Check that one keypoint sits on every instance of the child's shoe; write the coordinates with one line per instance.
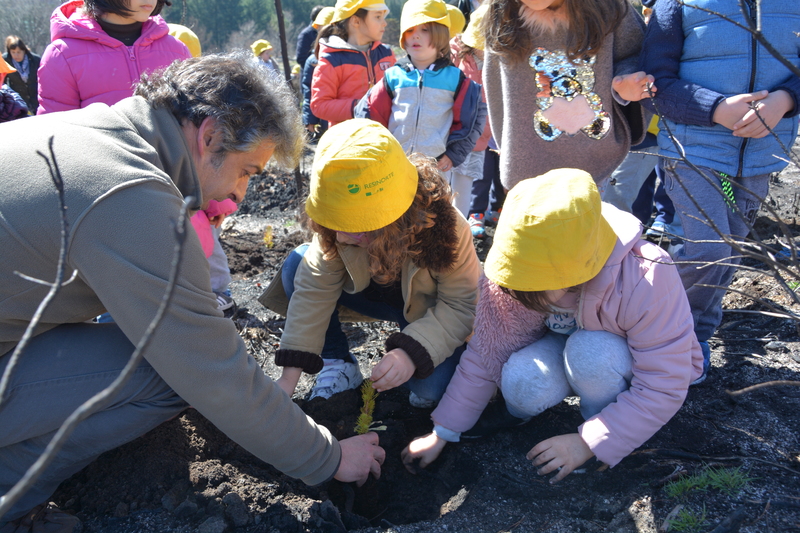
(337, 375)
(225, 304)
(420, 403)
(706, 363)
(45, 518)
(477, 226)
(492, 217)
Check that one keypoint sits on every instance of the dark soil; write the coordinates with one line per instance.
(186, 476)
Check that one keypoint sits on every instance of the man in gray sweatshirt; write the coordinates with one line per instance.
(200, 128)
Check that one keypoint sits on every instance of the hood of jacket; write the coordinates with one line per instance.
(70, 21)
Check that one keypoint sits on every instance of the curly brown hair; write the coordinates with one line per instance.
(589, 22)
(391, 246)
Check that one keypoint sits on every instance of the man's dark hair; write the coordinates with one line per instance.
(95, 8)
(248, 103)
(315, 12)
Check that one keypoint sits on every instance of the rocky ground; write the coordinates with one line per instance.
(186, 476)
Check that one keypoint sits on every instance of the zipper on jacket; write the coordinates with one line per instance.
(370, 73)
(752, 83)
(419, 106)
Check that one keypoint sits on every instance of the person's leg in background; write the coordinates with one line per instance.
(462, 179)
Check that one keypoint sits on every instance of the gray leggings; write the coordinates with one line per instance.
(60, 370)
(594, 365)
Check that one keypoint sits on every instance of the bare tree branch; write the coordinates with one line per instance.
(762, 386)
(55, 175)
(98, 400)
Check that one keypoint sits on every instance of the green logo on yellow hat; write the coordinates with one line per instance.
(353, 188)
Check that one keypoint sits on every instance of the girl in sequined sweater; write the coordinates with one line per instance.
(561, 85)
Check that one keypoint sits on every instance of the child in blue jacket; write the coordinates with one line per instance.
(711, 74)
(429, 105)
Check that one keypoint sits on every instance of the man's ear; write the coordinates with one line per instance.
(207, 135)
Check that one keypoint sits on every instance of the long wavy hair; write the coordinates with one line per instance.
(392, 246)
(590, 21)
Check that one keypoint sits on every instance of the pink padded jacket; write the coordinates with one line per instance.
(83, 64)
(637, 295)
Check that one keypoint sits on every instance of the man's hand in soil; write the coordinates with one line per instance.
(394, 369)
(566, 452)
(422, 452)
(289, 378)
(361, 456)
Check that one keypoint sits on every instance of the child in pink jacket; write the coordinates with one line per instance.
(100, 49)
(573, 303)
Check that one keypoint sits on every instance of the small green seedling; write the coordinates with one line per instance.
(268, 237)
(731, 481)
(683, 486)
(689, 521)
(365, 422)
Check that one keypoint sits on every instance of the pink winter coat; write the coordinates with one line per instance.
(633, 296)
(83, 64)
(202, 224)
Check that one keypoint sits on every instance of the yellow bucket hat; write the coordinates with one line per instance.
(551, 235)
(361, 179)
(416, 12)
(260, 46)
(457, 20)
(473, 35)
(323, 17)
(187, 37)
(345, 9)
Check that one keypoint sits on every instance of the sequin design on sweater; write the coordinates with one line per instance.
(558, 78)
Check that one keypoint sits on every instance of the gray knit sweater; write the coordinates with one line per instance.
(525, 127)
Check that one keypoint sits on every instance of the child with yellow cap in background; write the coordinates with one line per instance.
(573, 302)
(387, 244)
(429, 105)
(262, 49)
(351, 58)
(313, 123)
(482, 167)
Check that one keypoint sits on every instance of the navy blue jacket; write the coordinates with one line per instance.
(698, 59)
(305, 42)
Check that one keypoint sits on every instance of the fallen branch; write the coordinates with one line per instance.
(762, 386)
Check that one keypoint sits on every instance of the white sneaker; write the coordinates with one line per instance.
(336, 376)
(420, 403)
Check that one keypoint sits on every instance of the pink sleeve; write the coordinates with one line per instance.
(57, 88)
(203, 229)
(666, 357)
(467, 395)
(224, 207)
